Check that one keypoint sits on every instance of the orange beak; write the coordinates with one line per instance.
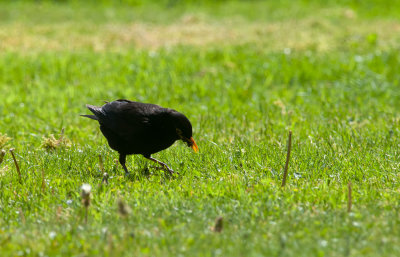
(194, 145)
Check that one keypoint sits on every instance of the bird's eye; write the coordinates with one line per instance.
(179, 132)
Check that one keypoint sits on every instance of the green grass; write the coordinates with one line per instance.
(338, 91)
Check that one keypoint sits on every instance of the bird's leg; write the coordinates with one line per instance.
(122, 160)
(165, 166)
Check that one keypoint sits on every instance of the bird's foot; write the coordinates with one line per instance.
(163, 166)
(171, 171)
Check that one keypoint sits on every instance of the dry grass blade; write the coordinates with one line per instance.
(51, 143)
(110, 242)
(58, 213)
(16, 165)
(101, 164)
(61, 135)
(43, 186)
(349, 198)
(21, 215)
(3, 140)
(287, 159)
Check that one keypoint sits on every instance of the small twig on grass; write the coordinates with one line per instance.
(16, 165)
(2, 153)
(349, 198)
(287, 159)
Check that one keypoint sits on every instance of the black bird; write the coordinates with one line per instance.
(141, 128)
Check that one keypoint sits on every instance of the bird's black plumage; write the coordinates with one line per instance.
(141, 128)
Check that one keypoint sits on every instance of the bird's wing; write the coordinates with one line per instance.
(127, 119)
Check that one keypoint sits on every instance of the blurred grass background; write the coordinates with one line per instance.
(244, 72)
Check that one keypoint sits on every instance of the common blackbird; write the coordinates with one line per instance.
(141, 128)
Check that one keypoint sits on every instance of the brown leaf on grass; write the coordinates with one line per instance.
(123, 208)
(219, 222)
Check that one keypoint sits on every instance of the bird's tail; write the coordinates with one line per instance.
(93, 117)
(95, 110)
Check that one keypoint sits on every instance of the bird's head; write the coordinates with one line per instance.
(183, 129)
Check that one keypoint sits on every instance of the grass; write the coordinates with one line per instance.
(302, 26)
(327, 72)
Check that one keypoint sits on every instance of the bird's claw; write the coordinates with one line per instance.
(171, 171)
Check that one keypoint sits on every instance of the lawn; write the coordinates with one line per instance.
(245, 73)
